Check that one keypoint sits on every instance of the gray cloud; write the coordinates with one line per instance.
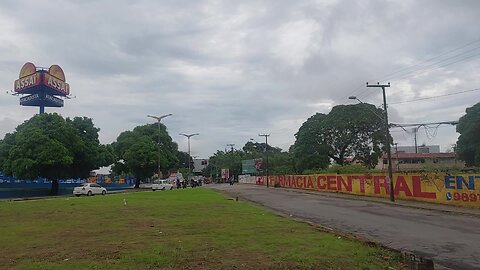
(231, 70)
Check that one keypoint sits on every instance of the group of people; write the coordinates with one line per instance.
(184, 183)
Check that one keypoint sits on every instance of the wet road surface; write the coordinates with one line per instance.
(451, 240)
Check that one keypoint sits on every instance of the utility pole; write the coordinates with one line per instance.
(387, 137)
(396, 152)
(266, 155)
(159, 118)
(454, 147)
(415, 130)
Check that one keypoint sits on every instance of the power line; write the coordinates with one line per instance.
(431, 129)
(425, 69)
(425, 98)
(425, 124)
(454, 57)
(428, 60)
(420, 71)
(406, 71)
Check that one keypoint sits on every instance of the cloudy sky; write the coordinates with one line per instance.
(230, 70)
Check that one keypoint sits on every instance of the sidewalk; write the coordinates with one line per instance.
(412, 204)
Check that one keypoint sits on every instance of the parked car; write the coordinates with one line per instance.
(162, 185)
(89, 189)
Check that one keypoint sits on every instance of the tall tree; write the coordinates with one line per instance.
(310, 152)
(52, 147)
(184, 159)
(141, 158)
(89, 153)
(138, 151)
(279, 162)
(468, 144)
(355, 132)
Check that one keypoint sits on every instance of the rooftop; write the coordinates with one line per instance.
(421, 155)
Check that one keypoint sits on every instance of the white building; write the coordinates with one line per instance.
(420, 149)
(199, 165)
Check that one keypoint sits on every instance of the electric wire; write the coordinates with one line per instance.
(427, 60)
(426, 67)
(423, 65)
(426, 98)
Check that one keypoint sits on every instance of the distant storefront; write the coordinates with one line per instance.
(421, 161)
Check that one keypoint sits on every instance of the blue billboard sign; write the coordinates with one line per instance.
(252, 165)
(41, 100)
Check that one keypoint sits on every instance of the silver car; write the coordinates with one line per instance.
(89, 189)
(162, 185)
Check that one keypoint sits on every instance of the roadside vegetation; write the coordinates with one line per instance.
(180, 229)
(55, 148)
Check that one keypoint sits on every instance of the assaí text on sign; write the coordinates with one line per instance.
(56, 84)
(27, 82)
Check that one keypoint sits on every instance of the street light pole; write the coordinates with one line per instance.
(266, 156)
(230, 172)
(387, 139)
(189, 157)
(374, 112)
(159, 118)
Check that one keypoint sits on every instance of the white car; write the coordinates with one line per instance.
(89, 189)
(162, 185)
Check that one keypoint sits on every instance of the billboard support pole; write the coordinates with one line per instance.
(266, 156)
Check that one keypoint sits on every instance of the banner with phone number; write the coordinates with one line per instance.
(460, 190)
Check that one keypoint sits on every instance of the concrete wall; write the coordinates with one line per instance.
(460, 190)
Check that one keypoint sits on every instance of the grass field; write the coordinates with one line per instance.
(179, 229)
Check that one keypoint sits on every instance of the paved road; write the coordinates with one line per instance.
(451, 240)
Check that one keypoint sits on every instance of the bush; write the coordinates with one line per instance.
(341, 170)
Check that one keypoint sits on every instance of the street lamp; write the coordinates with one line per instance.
(159, 118)
(374, 112)
(266, 155)
(188, 137)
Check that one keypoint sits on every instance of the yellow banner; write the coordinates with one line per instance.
(461, 190)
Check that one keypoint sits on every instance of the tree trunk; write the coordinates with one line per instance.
(54, 188)
(137, 182)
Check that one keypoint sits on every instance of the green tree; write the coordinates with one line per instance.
(89, 153)
(309, 151)
(52, 147)
(348, 131)
(279, 162)
(183, 159)
(141, 158)
(137, 152)
(468, 144)
(5, 146)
